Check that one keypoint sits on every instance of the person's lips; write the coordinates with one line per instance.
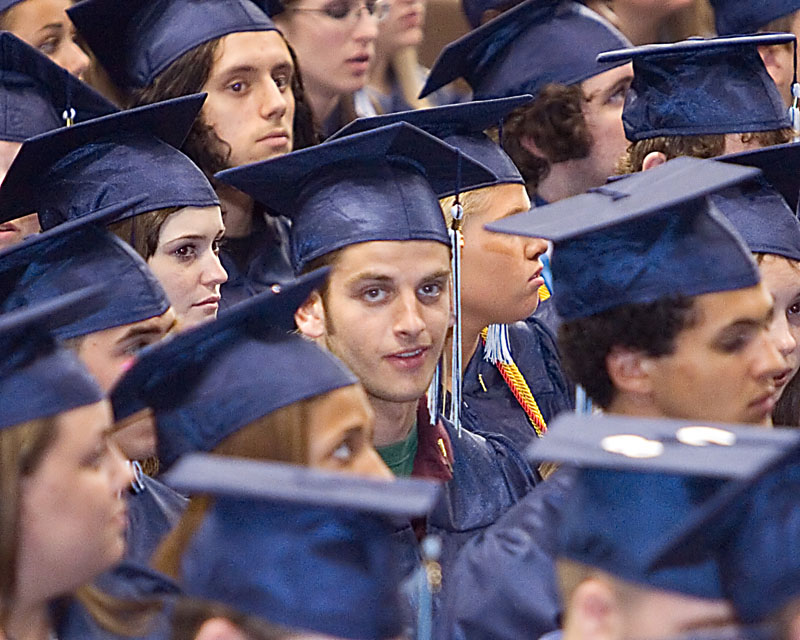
(359, 63)
(781, 380)
(411, 19)
(276, 138)
(211, 301)
(536, 280)
(409, 359)
(8, 227)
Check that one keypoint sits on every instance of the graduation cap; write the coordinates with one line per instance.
(701, 87)
(779, 163)
(460, 125)
(75, 171)
(74, 255)
(527, 47)
(301, 548)
(206, 383)
(647, 236)
(762, 218)
(135, 40)
(474, 9)
(37, 95)
(383, 184)
(733, 16)
(39, 379)
(752, 530)
(638, 482)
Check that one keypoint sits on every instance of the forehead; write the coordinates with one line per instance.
(392, 258)
(192, 221)
(250, 49)
(715, 311)
(608, 79)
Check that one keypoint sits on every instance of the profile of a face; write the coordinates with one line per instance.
(72, 512)
(186, 263)
(44, 25)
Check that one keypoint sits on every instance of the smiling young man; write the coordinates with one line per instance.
(512, 379)
(367, 206)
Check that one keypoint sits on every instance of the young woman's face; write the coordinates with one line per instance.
(340, 430)
(403, 26)
(781, 277)
(72, 511)
(44, 25)
(186, 263)
(334, 52)
(250, 103)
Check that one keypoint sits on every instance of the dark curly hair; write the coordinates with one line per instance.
(651, 328)
(187, 75)
(555, 122)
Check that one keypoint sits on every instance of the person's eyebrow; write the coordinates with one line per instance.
(436, 275)
(368, 277)
(746, 323)
(242, 69)
(53, 26)
(190, 236)
(149, 329)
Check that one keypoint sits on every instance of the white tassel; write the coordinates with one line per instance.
(794, 111)
(435, 395)
(498, 345)
(455, 373)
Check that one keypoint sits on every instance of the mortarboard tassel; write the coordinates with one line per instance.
(794, 110)
(68, 115)
(430, 583)
(435, 395)
(456, 238)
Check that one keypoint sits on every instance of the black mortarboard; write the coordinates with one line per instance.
(734, 16)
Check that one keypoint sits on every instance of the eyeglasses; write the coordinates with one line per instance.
(347, 10)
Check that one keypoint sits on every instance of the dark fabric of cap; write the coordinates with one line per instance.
(701, 87)
(74, 171)
(781, 167)
(460, 125)
(647, 236)
(39, 379)
(36, 94)
(734, 16)
(75, 255)
(135, 40)
(381, 185)
(299, 547)
(536, 43)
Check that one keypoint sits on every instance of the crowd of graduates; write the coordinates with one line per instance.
(301, 340)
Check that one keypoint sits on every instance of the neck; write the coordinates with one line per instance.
(626, 404)
(237, 211)
(28, 622)
(379, 72)
(393, 420)
(640, 27)
(565, 180)
(322, 103)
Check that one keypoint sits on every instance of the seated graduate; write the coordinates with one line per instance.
(256, 107)
(174, 221)
(732, 18)
(512, 383)
(367, 206)
(670, 321)
(37, 96)
(638, 482)
(63, 513)
(751, 531)
(569, 138)
(700, 98)
(294, 553)
(44, 25)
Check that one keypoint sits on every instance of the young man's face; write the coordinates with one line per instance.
(386, 314)
(724, 365)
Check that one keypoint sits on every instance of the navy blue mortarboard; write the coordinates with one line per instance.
(74, 255)
(701, 87)
(733, 16)
(38, 379)
(508, 56)
(75, 171)
(781, 167)
(459, 125)
(206, 383)
(135, 40)
(474, 9)
(648, 236)
(299, 547)
(639, 480)
(37, 95)
(752, 529)
(379, 185)
(762, 218)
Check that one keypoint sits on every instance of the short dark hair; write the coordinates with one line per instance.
(651, 328)
(555, 122)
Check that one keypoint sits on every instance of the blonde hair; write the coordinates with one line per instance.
(405, 66)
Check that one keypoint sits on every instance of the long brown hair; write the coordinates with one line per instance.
(280, 436)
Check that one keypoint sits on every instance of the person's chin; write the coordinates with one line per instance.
(198, 315)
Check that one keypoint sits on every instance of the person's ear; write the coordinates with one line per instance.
(630, 371)
(220, 629)
(531, 147)
(653, 159)
(310, 317)
(594, 612)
